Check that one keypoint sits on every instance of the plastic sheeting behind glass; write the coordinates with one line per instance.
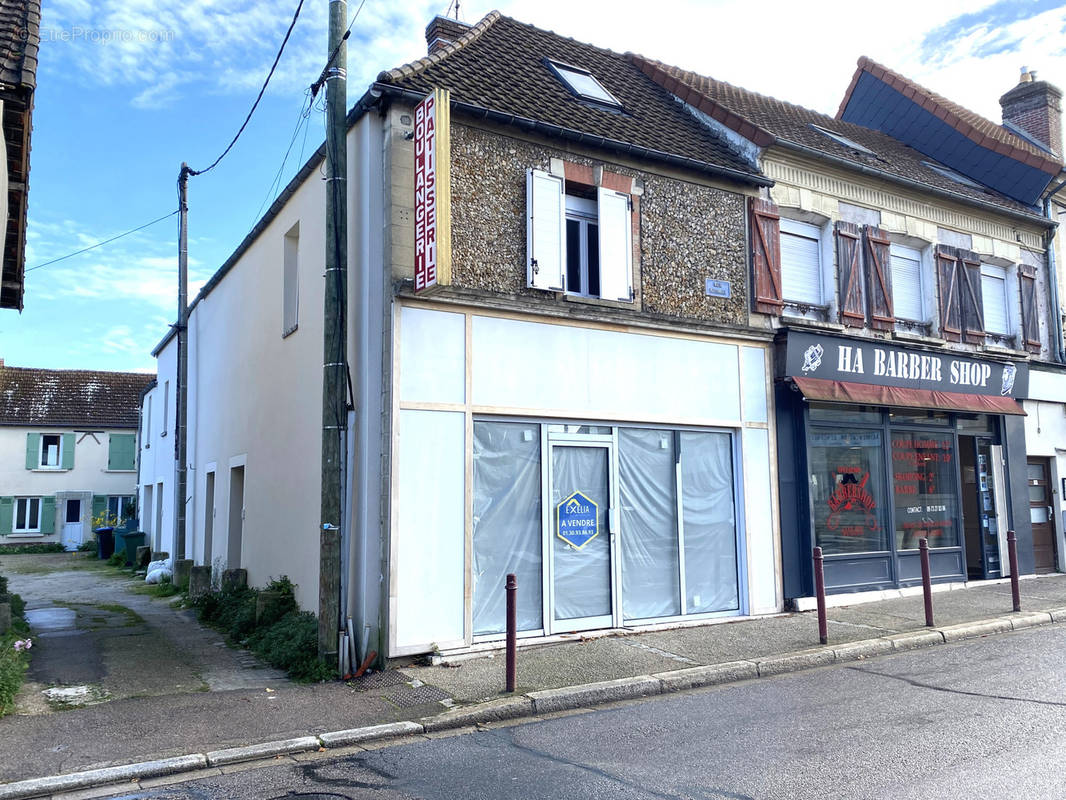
(507, 523)
(651, 582)
(582, 575)
(710, 522)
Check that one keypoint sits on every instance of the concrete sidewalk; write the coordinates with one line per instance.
(581, 671)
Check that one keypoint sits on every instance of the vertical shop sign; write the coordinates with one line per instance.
(432, 191)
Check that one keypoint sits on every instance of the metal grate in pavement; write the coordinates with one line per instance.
(379, 680)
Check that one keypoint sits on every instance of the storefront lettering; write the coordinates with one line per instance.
(851, 495)
(912, 366)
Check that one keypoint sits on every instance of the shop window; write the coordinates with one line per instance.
(801, 264)
(579, 239)
(27, 515)
(923, 480)
(917, 416)
(832, 412)
(507, 523)
(975, 423)
(994, 293)
(847, 491)
(908, 283)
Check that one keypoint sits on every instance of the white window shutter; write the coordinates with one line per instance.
(994, 295)
(546, 225)
(616, 245)
(801, 263)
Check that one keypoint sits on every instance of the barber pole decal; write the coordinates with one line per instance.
(432, 192)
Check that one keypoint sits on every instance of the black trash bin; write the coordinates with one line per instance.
(105, 542)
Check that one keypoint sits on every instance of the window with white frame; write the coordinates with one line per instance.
(119, 507)
(51, 451)
(994, 297)
(27, 515)
(908, 289)
(579, 242)
(801, 263)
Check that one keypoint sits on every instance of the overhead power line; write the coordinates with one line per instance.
(105, 241)
(259, 97)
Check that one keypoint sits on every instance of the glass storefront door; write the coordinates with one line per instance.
(581, 503)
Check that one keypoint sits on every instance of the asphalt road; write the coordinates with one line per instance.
(977, 719)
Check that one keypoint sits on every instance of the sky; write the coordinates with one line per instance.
(129, 89)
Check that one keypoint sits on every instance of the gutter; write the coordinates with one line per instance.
(580, 137)
(1033, 219)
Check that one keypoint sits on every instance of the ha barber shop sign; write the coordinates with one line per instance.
(433, 225)
(578, 520)
(883, 364)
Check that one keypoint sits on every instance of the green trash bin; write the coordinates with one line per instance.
(127, 543)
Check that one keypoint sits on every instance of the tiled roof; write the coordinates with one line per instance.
(499, 65)
(70, 398)
(765, 120)
(973, 126)
(20, 36)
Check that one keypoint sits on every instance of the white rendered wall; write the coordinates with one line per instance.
(1045, 435)
(157, 453)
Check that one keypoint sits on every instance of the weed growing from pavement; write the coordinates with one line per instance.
(15, 648)
(165, 588)
(282, 635)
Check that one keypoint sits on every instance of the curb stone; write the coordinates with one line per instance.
(533, 703)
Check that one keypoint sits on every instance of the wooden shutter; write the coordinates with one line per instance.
(616, 244)
(68, 451)
(971, 298)
(766, 257)
(1030, 321)
(878, 278)
(545, 231)
(7, 515)
(48, 515)
(121, 451)
(33, 450)
(947, 276)
(849, 275)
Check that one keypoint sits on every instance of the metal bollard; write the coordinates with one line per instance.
(927, 581)
(1012, 554)
(819, 590)
(512, 632)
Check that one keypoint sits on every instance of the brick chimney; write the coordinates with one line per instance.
(1036, 108)
(442, 31)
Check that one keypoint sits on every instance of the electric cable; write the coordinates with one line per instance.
(101, 244)
(259, 97)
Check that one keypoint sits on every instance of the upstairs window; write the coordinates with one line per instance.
(907, 283)
(801, 263)
(583, 84)
(51, 445)
(581, 245)
(994, 294)
(49, 451)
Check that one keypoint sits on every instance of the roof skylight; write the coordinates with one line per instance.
(952, 175)
(583, 83)
(844, 140)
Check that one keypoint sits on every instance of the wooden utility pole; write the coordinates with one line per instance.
(182, 393)
(335, 335)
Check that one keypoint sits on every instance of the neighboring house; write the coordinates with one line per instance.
(20, 22)
(581, 398)
(67, 451)
(907, 279)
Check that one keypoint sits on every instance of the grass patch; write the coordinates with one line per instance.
(132, 617)
(283, 636)
(162, 589)
(36, 547)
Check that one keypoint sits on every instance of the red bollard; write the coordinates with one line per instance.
(1012, 554)
(512, 632)
(819, 591)
(927, 581)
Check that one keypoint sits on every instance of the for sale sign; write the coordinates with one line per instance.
(578, 520)
(432, 192)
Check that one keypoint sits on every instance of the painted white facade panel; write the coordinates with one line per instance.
(755, 383)
(433, 354)
(428, 582)
(534, 365)
(758, 514)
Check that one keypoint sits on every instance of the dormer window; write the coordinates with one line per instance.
(844, 140)
(584, 84)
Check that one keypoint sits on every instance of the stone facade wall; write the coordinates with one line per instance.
(688, 232)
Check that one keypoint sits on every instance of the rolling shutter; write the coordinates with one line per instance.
(878, 278)
(801, 263)
(616, 245)
(766, 257)
(120, 451)
(907, 302)
(7, 515)
(849, 274)
(48, 515)
(33, 450)
(68, 451)
(546, 224)
(1030, 320)
(947, 277)
(994, 297)
(970, 298)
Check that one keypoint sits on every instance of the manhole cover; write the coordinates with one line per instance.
(408, 696)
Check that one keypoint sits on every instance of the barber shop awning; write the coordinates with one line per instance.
(870, 395)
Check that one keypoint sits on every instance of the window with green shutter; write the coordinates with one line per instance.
(68, 451)
(7, 515)
(48, 515)
(33, 450)
(121, 453)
